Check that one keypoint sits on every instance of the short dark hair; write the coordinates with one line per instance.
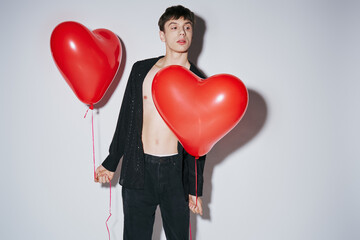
(176, 12)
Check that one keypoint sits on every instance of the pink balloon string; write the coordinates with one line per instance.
(196, 158)
(93, 142)
(106, 223)
(86, 112)
(92, 131)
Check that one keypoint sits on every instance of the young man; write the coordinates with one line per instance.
(156, 170)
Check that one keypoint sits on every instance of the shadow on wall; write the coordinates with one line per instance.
(197, 41)
(249, 126)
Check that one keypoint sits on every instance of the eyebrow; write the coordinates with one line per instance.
(188, 22)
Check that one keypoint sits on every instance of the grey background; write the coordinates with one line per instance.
(289, 170)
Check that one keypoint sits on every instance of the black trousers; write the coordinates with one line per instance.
(163, 187)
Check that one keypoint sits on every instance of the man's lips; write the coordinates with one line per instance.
(181, 41)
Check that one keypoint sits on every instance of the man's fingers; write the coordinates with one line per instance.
(200, 211)
(103, 175)
(197, 209)
(101, 179)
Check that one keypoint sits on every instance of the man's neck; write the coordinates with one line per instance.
(174, 58)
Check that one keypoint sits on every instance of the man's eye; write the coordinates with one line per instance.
(187, 27)
(173, 28)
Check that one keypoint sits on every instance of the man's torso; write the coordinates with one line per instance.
(157, 138)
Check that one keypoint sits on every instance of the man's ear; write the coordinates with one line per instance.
(162, 36)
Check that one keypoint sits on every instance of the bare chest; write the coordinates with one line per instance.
(148, 102)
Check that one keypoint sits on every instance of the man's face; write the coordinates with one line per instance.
(177, 35)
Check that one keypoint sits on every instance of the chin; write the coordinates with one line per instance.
(181, 50)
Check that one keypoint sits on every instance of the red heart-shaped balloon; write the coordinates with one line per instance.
(199, 111)
(88, 60)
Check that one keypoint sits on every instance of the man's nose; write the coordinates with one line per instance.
(182, 31)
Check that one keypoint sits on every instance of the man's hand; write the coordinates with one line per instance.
(195, 208)
(103, 175)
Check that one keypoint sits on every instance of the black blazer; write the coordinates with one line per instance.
(127, 141)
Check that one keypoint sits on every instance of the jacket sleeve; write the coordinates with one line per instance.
(117, 146)
(195, 175)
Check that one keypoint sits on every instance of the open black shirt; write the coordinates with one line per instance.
(127, 141)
